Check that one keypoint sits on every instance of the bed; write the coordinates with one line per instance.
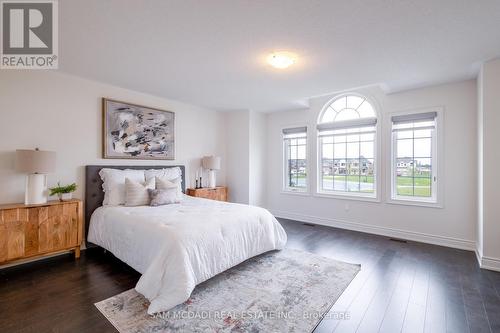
(175, 247)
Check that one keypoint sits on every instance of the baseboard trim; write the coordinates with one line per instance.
(489, 263)
(492, 264)
(456, 243)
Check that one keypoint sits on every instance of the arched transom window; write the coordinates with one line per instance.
(346, 137)
(348, 107)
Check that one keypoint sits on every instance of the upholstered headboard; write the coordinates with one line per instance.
(94, 194)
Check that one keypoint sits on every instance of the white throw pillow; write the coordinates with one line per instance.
(173, 183)
(167, 173)
(136, 194)
(114, 184)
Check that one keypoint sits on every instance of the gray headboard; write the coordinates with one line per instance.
(94, 195)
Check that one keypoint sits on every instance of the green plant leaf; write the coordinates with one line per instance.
(63, 189)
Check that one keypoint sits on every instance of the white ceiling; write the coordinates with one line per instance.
(212, 52)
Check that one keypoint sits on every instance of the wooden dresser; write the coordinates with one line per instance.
(28, 231)
(218, 193)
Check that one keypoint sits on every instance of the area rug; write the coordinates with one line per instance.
(279, 291)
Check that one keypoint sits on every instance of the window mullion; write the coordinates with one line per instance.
(297, 164)
(413, 161)
(394, 165)
(333, 161)
(346, 167)
(290, 165)
(359, 164)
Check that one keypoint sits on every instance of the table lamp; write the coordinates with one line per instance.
(211, 163)
(36, 164)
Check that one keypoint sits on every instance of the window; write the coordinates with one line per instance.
(295, 164)
(414, 157)
(346, 143)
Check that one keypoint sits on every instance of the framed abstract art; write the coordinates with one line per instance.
(137, 132)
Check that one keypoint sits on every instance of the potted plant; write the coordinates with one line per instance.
(63, 192)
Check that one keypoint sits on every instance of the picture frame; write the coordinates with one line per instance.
(132, 131)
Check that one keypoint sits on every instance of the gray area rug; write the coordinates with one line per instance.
(279, 291)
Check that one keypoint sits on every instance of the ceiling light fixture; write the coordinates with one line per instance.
(281, 60)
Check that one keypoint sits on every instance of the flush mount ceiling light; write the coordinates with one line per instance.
(281, 60)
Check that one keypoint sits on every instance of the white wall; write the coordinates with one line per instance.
(237, 137)
(258, 158)
(452, 225)
(63, 113)
(480, 175)
(489, 139)
(246, 133)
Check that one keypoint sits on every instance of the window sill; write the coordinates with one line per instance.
(300, 193)
(417, 203)
(346, 197)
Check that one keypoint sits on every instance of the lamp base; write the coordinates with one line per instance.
(36, 189)
(211, 179)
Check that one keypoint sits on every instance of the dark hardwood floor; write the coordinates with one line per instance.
(402, 287)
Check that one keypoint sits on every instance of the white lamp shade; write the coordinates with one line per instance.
(35, 161)
(211, 162)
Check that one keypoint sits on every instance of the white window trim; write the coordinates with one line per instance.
(437, 160)
(357, 196)
(346, 196)
(284, 165)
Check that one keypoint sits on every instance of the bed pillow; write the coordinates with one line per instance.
(167, 173)
(162, 197)
(114, 184)
(162, 183)
(136, 194)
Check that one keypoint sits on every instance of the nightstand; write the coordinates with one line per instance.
(30, 231)
(218, 193)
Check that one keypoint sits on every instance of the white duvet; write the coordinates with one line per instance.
(175, 247)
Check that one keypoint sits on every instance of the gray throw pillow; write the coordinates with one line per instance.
(161, 197)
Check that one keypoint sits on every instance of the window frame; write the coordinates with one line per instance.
(436, 200)
(285, 189)
(358, 196)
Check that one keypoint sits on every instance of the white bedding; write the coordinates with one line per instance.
(178, 246)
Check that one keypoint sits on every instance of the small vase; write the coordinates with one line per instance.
(65, 196)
